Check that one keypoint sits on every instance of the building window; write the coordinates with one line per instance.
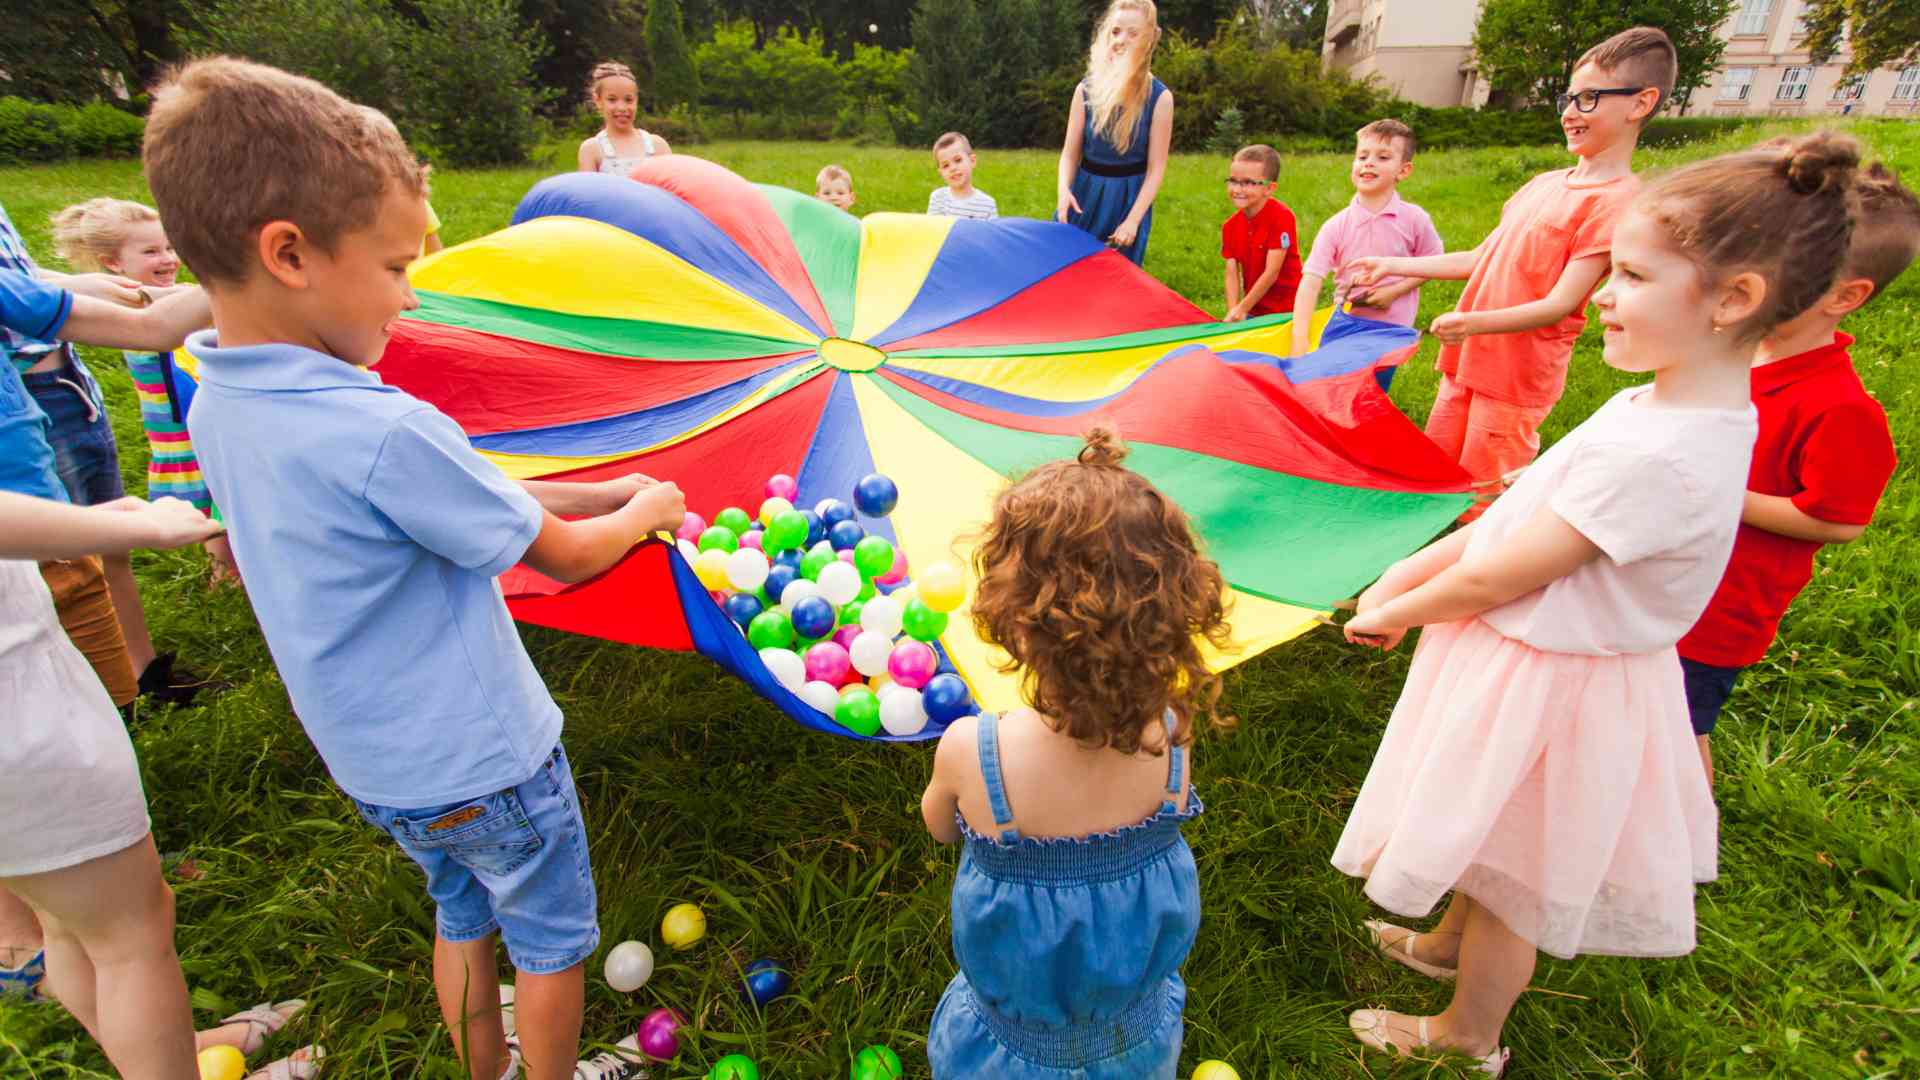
(1738, 85)
(1907, 86)
(1793, 84)
(1850, 89)
(1753, 16)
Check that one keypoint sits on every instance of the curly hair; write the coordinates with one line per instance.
(1093, 583)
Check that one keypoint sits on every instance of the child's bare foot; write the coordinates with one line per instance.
(1436, 955)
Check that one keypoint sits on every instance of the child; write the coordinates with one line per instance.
(953, 155)
(1119, 133)
(1504, 352)
(370, 533)
(1537, 763)
(1077, 900)
(618, 147)
(1260, 240)
(1377, 223)
(1823, 459)
(126, 238)
(834, 185)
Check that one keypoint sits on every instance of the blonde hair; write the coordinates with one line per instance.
(604, 70)
(1265, 156)
(1117, 96)
(89, 234)
(233, 145)
(832, 172)
(1391, 129)
(1643, 56)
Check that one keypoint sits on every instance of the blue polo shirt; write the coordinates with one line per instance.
(29, 309)
(369, 533)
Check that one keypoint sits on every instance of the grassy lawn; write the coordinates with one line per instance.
(810, 848)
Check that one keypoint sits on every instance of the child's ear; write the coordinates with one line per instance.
(1740, 297)
(1406, 170)
(283, 251)
(1848, 296)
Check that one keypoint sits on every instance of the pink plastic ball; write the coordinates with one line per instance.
(912, 664)
(751, 539)
(830, 663)
(782, 486)
(846, 556)
(899, 572)
(659, 1034)
(844, 636)
(691, 527)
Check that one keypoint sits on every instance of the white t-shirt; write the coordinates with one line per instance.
(978, 206)
(1660, 492)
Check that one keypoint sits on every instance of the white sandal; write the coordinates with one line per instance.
(302, 1064)
(263, 1021)
(1401, 951)
(1370, 1027)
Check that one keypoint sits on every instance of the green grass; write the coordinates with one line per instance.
(810, 848)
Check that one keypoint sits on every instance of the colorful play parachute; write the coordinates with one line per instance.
(696, 327)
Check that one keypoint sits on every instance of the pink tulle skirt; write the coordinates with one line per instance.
(1563, 792)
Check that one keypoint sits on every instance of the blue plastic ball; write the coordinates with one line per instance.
(816, 529)
(742, 607)
(765, 980)
(778, 579)
(846, 535)
(814, 618)
(833, 512)
(790, 558)
(876, 495)
(945, 698)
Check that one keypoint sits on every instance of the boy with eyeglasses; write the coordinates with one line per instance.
(1504, 350)
(1261, 240)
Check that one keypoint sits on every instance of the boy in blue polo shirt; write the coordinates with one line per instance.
(369, 533)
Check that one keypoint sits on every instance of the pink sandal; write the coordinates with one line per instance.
(1370, 1027)
(1401, 951)
(302, 1064)
(263, 1022)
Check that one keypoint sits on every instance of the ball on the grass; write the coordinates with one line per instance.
(782, 486)
(876, 1063)
(222, 1063)
(946, 699)
(734, 1067)
(941, 587)
(876, 495)
(901, 712)
(734, 518)
(813, 617)
(764, 981)
(921, 622)
(882, 616)
(787, 667)
(683, 925)
(659, 1034)
(770, 630)
(839, 583)
(719, 538)
(691, 526)
(747, 569)
(629, 965)
(873, 556)
(1215, 1070)
(743, 608)
(788, 530)
(858, 710)
(822, 696)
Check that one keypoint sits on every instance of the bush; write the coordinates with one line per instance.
(100, 130)
(31, 131)
(478, 59)
(1000, 71)
(354, 46)
(1280, 91)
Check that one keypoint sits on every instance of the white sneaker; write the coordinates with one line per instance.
(623, 1062)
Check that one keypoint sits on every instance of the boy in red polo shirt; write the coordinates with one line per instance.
(1261, 241)
(1822, 460)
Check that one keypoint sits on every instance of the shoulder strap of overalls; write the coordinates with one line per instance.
(1176, 761)
(989, 734)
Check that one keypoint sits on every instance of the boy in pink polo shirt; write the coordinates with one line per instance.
(1377, 222)
(1504, 351)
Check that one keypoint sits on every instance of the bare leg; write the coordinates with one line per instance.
(547, 1012)
(1495, 965)
(110, 959)
(466, 977)
(1706, 756)
(20, 936)
(126, 607)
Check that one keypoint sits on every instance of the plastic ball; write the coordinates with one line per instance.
(912, 663)
(801, 589)
(786, 666)
(901, 711)
(846, 535)
(882, 615)
(765, 980)
(659, 1035)
(688, 551)
(876, 1063)
(859, 711)
(782, 486)
(683, 925)
(875, 495)
(711, 568)
(788, 530)
(816, 529)
(770, 630)
(735, 519)
(772, 509)
(752, 538)
(832, 512)
(719, 538)
(869, 652)
(846, 556)
(222, 1063)
(828, 663)
(845, 635)
(822, 696)
(743, 608)
(941, 587)
(814, 562)
(1215, 1070)
(946, 699)
(873, 556)
(898, 572)
(839, 583)
(734, 1067)
(850, 612)
(691, 526)
(867, 592)
(779, 576)
(813, 617)
(629, 965)
(747, 569)
(921, 622)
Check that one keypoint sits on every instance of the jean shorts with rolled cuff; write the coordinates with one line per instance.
(84, 453)
(514, 861)
(1708, 687)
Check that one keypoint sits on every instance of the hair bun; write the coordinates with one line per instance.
(1103, 447)
(1822, 160)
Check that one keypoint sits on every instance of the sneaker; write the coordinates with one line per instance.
(168, 683)
(23, 982)
(623, 1062)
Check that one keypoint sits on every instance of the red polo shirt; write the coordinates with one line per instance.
(1823, 442)
(1247, 240)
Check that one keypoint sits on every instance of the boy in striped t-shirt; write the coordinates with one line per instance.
(953, 154)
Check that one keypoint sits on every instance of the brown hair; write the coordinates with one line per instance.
(1093, 583)
(88, 234)
(949, 139)
(1391, 129)
(1886, 238)
(1267, 156)
(1643, 56)
(1783, 210)
(604, 70)
(232, 146)
(833, 172)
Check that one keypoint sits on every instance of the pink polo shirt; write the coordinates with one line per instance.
(1400, 229)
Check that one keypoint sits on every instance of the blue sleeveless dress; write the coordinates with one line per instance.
(1108, 181)
(1069, 948)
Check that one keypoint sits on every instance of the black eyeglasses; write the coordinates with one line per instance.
(1589, 100)
(1234, 181)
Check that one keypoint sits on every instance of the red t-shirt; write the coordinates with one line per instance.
(1247, 240)
(1825, 443)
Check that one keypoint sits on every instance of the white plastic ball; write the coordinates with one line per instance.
(870, 652)
(688, 551)
(901, 712)
(882, 616)
(787, 667)
(821, 696)
(629, 966)
(797, 590)
(747, 569)
(840, 583)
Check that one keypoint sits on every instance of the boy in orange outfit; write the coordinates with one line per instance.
(1504, 353)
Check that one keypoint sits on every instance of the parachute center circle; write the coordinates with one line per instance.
(851, 355)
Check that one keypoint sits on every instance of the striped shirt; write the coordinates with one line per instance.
(173, 470)
(978, 206)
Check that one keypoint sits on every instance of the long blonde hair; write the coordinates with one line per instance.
(1118, 94)
(89, 234)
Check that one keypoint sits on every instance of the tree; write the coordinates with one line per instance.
(675, 81)
(949, 43)
(1300, 24)
(354, 46)
(472, 95)
(1883, 32)
(1527, 48)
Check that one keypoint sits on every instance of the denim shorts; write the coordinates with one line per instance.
(1708, 687)
(514, 861)
(84, 453)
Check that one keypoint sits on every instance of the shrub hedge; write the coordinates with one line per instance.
(32, 131)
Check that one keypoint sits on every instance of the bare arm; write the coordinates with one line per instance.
(573, 551)
(1070, 158)
(1451, 266)
(586, 500)
(43, 529)
(1305, 302)
(109, 287)
(589, 157)
(1260, 286)
(1568, 296)
(1777, 514)
(940, 805)
(1159, 145)
(661, 147)
(1232, 285)
(155, 329)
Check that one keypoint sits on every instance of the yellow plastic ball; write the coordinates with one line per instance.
(711, 568)
(773, 508)
(222, 1063)
(941, 587)
(1215, 1070)
(684, 925)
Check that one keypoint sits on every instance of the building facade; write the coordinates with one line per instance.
(1420, 49)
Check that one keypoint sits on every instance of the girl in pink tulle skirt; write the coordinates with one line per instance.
(1540, 765)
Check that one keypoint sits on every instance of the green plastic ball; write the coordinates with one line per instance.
(788, 530)
(921, 622)
(720, 538)
(734, 518)
(858, 711)
(868, 590)
(850, 612)
(816, 561)
(873, 556)
(734, 1067)
(876, 1063)
(771, 629)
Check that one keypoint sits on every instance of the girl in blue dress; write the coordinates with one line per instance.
(1076, 900)
(1119, 132)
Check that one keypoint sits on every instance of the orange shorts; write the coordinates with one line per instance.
(79, 588)
(1488, 437)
